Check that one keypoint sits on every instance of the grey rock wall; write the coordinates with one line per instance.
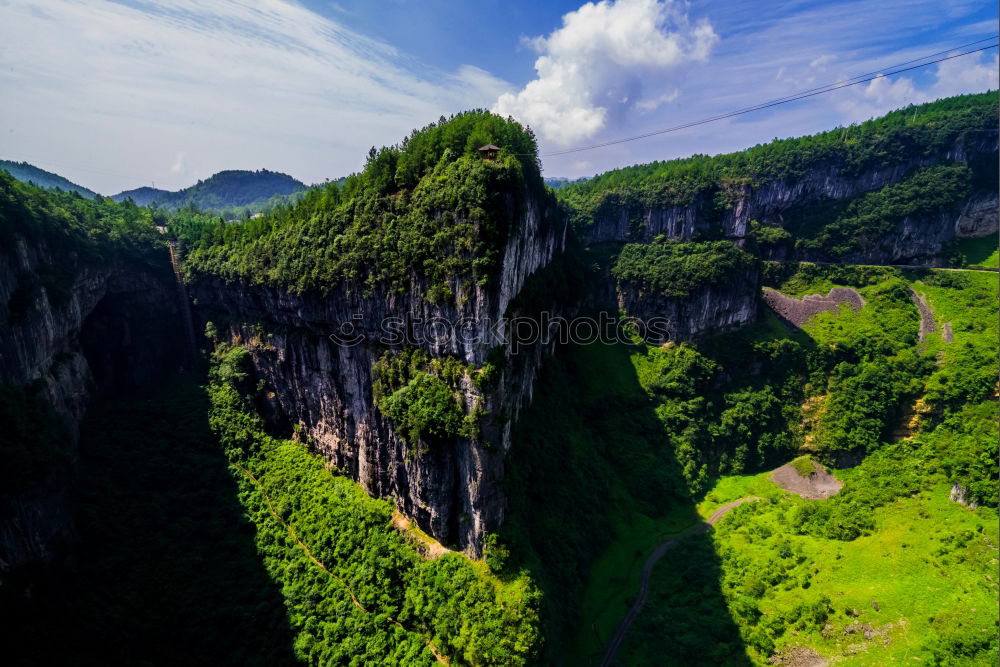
(323, 388)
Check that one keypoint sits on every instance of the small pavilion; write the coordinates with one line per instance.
(489, 151)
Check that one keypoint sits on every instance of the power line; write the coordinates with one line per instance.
(853, 81)
(879, 71)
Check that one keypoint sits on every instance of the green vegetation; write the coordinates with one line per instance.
(355, 589)
(75, 228)
(925, 129)
(860, 224)
(71, 231)
(163, 568)
(28, 173)
(890, 568)
(591, 488)
(830, 229)
(806, 278)
(423, 397)
(648, 430)
(980, 252)
(803, 465)
(677, 269)
(921, 585)
(960, 395)
(429, 208)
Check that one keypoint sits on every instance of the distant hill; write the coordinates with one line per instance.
(143, 196)
(223, 190)
(29, 173)
(556, 182)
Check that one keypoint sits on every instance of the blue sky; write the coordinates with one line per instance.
(116, 95)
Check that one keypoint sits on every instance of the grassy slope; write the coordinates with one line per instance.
(930, 564)
(981, 251)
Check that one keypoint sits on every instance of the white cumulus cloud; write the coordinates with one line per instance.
(952, 77)
(607, 59)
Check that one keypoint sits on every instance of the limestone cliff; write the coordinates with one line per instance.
(707, 310)
(315, 353)
(71, 331)
(919, 239)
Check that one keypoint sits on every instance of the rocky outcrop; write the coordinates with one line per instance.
(315, 353)
(917, 240)
(112, 326)
(69, 332)
(960, 494)
(978, 217)
(710, 309)
(920, 240)
(796, 312)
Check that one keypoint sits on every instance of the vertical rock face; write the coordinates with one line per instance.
(315, 358)
(978, 217)
(108, 328)
(920, 239)
(112, 327)
(707, 310)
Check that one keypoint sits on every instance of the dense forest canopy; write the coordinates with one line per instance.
(74, 227)
(676, 269)
(429, 207)
(913, 132)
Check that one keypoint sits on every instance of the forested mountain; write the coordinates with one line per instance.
(143, 196)
(226, 189)
(430, 206)
(27, 173)
(812, 197)
(389, 452)
(556, 182)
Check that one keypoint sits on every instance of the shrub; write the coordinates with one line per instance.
(676, 269)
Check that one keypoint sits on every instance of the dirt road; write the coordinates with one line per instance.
(647, 572)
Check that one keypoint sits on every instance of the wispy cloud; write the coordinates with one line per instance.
(112, 93)
(770, 50)
(228, 84)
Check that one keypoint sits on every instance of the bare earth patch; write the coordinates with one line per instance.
(429, 548)
(927, 324)
(797, 311)
(946, 332)
(798, 656)
(817, 485)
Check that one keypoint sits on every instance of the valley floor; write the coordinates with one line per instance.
(890, 570)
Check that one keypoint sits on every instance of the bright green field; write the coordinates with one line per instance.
(981, 251)
(930, 565)
(927, 563)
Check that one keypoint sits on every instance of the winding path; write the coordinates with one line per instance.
(647, 572)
